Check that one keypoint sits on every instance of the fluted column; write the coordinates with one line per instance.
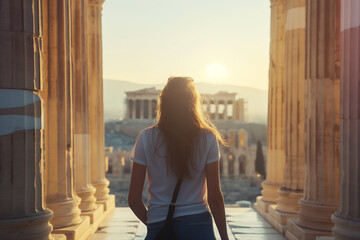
(225, 166)
(83, 186)
(22, 112)
(236, 167)
(142, 109)
(61, 197)
(150, 110)
(97, 143)
(216, 111)
(347, 218)
(128, 111)
(225, 111)
(134, 109)
(322, 111)
(293, 186)
(276, 115)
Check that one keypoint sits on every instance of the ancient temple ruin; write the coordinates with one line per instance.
(141, 105)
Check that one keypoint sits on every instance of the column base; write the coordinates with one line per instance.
(262, 205)
(345, 229)
(316, 216)
(95, 214)
(102, 190)
(288, 201)
(279, 219)
(88, 200)
(76, 232)
(296, 232)
(109, 204)
(88, 226)
(36, 227)
(66, 213)
(270, 191)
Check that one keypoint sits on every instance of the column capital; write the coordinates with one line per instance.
(274, 2)
(96, 2)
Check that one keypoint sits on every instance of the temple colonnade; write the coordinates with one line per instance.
(141, 109)
(312, 185)
(52, 157)
(141, 105)
(224, 106)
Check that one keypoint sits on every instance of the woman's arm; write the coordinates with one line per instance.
(135, 192)
(215, 198)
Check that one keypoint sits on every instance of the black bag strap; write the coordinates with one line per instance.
(173, 200)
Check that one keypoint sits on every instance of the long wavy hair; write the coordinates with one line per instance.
(181, 119)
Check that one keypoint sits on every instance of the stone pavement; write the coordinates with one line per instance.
(243, 223)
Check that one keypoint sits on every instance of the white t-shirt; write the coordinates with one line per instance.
(192, 198)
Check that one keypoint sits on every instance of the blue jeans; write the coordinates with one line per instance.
(197, 226)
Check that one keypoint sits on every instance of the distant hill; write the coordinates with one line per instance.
(115, 108)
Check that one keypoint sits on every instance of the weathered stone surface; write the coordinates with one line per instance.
(60, 194)
(322, 111)
(291, 191)
(83, 186)
(347, 218)
(96, 106)
(22, 198)
(276, 114)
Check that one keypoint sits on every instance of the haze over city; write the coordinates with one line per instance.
(211, 41)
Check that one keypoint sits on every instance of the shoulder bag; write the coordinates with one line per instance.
(166, 232)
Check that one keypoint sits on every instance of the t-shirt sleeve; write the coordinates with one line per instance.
(214, 152)
(138, 154)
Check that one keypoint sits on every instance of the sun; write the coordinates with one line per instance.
(216, 71)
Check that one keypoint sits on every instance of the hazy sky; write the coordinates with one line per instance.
(210, 40)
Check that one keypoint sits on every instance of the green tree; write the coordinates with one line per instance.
(259, 161)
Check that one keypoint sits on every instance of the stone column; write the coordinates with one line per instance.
(225, 111)
(322, 111)
(150, 109)
(22, 112)
(225, 166)
(141, 109)
(61, 198)
(236, 167)
(347, 218)
(216, 111)
(83, 186)
(276, 114)
(97, 155)
(292, 189)
(134, 109)
(128, 110)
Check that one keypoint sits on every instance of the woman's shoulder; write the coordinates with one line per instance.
(149, 131)
(207, 135)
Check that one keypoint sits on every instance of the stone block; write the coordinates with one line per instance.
(301, 233)
(109, 204)
(94, 214)
(259, 210)
(263, 204)
(79, 231)
(275, 219)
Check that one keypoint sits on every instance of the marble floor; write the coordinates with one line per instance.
(243, 223)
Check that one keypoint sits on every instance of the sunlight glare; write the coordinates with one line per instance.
(216, 71)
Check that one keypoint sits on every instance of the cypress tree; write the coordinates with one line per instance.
(259, 161)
